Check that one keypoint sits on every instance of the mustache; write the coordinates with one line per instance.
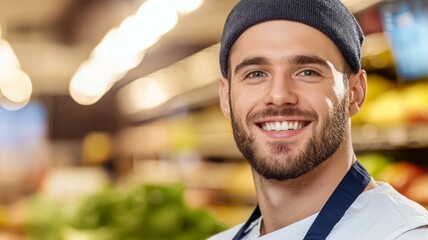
(286, 111)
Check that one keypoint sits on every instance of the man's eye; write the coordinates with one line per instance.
(256, 74)
(308, 73)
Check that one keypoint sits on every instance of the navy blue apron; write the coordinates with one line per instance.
(351, 186)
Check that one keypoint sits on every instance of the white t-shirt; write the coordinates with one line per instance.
(379, 214)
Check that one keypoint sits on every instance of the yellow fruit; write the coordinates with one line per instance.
(386, 109)
(400, 175)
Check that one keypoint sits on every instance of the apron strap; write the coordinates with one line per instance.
(254, 216)
(351, 186)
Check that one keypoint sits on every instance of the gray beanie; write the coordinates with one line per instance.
(330, 17)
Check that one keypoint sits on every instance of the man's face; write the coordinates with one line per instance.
(287, 98)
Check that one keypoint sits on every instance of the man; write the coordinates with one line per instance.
(291, 81)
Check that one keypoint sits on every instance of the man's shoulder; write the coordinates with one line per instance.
(388, 201)
(382, 213)
(228, 234)
(415, 234)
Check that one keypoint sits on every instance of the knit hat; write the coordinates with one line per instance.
(330, 17)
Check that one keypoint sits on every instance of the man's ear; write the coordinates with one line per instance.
(357, 93)
(223, 93)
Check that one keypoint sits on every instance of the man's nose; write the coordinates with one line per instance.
(282, 91)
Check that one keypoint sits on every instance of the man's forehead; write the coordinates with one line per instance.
(295, 43)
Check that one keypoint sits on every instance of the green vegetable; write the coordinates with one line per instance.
(147, 212)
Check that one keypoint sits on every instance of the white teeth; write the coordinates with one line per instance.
(278, 126)
(282, 126)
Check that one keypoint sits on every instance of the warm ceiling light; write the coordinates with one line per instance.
(147, 93)
(133, 37)
(15, 85)
(8, 59)
(156, 17)
(187, 6)
(142, 94)
(115, 56)
(13, 106)
(123, 49)
(89, 84)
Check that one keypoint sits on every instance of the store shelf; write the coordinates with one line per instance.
(373, 137)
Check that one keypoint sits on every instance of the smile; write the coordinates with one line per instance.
(283, 126)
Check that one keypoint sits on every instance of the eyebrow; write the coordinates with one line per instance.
(305, 59)
(251, 61)
(295, 60)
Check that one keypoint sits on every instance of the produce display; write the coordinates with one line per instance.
(398, 114)
(149, 212)
(388, 102)
(406, 177)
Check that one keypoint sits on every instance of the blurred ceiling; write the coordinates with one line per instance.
(51, 38)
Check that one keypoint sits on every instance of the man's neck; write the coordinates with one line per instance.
(286, 202)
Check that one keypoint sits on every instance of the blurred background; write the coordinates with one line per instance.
(110, 126)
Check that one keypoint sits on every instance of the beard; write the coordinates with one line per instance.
(276, 162)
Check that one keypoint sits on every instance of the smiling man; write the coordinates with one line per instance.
(292, 79)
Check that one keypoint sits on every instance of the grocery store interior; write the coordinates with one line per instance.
(110, 126)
